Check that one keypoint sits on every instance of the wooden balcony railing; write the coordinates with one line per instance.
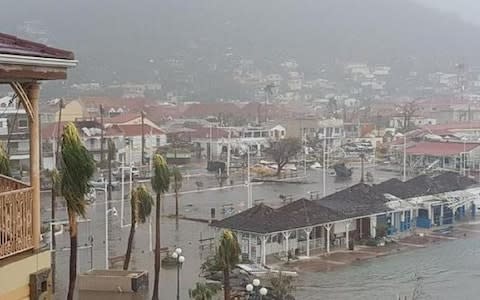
(16, 226)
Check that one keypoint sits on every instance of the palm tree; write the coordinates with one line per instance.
(78, 167)
(177, 185)
(141, 207)
(228, 257)
(202, 292)
(4, 162)
(160, 184)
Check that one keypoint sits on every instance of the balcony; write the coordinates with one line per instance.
(16, 226)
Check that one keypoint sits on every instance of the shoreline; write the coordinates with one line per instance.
(342, 258)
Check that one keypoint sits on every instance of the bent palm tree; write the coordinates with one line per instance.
(202, 292)
(228, 257)
(141, 203)
(177, 185)
(77, 169)
(160, 184)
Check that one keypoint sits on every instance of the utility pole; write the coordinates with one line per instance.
(249, 183)
(101, 133)
(228, 151)
(404, 158)
(143, 138)
(59, 122)
(362, 157)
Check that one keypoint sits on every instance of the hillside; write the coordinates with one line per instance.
(122, 40)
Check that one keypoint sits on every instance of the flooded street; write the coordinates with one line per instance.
(440, 267)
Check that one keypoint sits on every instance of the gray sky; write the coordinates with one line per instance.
(469, 10)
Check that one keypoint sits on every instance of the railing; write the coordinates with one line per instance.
(16, 226)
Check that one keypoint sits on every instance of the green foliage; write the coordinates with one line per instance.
(142, 203)
(78, 167)
(283, 286)
(229, 250)
(4, 162)
(203, 291)
(161, 174)
(177, 179)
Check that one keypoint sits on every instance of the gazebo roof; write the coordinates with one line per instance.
(264, 219)
(356, 201)
(23, 60)
(12, 45)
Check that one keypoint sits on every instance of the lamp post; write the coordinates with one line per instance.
(255, 292)
(180, 260)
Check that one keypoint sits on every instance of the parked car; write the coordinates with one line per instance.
(100, 183)
(126, 171)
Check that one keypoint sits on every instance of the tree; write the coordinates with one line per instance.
(407, 110)
(282, 150)
(202, 292)
(4, 162)
(141, 203)
(160, 184)
(282, 287)
(228, 257)
(177, 185)
(78, 167)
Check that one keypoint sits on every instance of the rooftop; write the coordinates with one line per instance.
(12, 45)
(356, 201)
(440, 148)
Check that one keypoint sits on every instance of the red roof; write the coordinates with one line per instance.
(10, 44)
(49, 131)
(122, 118)
(210, 109)
(132, 130)
(440, 148)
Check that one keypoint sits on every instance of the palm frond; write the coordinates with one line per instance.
(144, 203)
(77, 169)
(161, 174)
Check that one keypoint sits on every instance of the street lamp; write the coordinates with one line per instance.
(180, 260)
(255, 292)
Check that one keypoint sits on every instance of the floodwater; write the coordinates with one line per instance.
(444, 271)
(448, 270)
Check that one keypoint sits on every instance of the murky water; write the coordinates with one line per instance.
(448, 270)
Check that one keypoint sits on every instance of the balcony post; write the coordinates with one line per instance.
(33, 91)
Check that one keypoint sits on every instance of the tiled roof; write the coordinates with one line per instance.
(10, 44)
(263, 219)
(440, 148)
(356, 201)
(122, 118)
(210, 109)
(425, 185)
(133, 130)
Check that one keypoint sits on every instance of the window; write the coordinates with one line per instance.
(159, 141)
(22, 123)
(256, 134)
